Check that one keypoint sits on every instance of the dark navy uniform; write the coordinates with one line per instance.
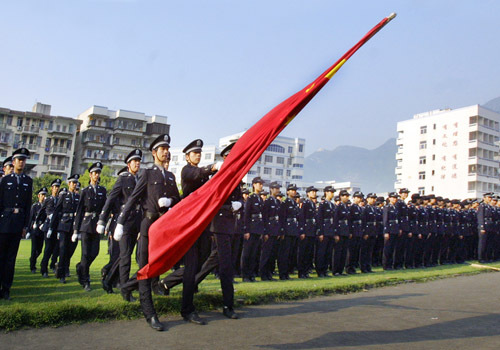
(308, 222)
(356, 233)
(92, 200)
(392, 230)
(325, 243)
(289, 217)
(343, 232)
(403, 240)
(15, 205)
(254, 225)
(51, 243)
(36, 235)
(272, 226)
(369, 219)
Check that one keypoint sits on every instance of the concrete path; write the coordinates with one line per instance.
(453, 313)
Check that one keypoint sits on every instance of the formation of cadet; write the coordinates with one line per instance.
(255, 234)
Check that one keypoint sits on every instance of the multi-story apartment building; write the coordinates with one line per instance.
(108, 136)
(50, 139)
(451, 153)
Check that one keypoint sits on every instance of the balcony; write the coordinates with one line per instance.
(59, 150)
(31, 130)
(4, 127)
(96, 143)
(60, 133)
(57, 168)
(130, 132)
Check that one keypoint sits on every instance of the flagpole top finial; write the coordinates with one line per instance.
(391, 16)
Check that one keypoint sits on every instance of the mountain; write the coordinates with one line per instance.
(494, 104)
(372, 169)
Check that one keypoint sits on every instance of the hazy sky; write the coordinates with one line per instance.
(215, 67)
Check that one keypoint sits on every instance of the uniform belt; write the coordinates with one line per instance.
(13, 210)
(345, 222)
(326, 221)
(274, 218)
(65, 215)
(256, 216)
(393, 221)
(357, 222)
(371, 223)
(152, 216)
(291, 220)
(310, 221)
(90, 213)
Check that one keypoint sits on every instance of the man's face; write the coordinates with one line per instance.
(487, 199)
(329, 195)
(274, 191)
(71, 186)
(41, 197)
(344, 198)
(370, 200)
(55, 189)
(291, 193)
(245, 196)
(8, 169)
(312, 194)
(393, 200)
(193, 158)
(19, 164)
(404, 195)
(257, 187)
(161, 154)
(94, 176)
(134, 165)
(356, 200)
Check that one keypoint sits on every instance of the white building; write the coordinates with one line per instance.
(451, 153)
(109, 136)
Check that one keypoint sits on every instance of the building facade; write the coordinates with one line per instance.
(50, 139)
(109, 136)
(452, 153)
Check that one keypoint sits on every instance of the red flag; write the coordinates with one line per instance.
(171, 236)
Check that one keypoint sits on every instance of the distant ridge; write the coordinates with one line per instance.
(372, 169)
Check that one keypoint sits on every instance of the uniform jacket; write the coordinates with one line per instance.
(46, 212)
(355, 220)
(308, 220)
(485, 219)
(193, 177)
(270, 215)
(64, 212)
(253, 219)
(289, 216)
(15, 203)
(326, 212)
(413, 218)
(391, 222)
(369, 219)
(89, 206)
(403, 217)
(225, 221)
(33, 225)
(341, 220)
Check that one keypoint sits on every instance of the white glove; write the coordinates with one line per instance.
(236, 205)
(50, 216)
(117, 235)
(28, 235)
(34, 226)
(74, 237)
(164, 202)
(49, 233)
(58, 235)
(100, 229)
(218, 165)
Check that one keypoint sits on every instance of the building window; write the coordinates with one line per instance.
(280, 160)
(421, 175)
(434, 142)
(45, 160)
(433, 172)
(422, 160)
(301, 148)
(423, 129)
(288, 173)
(276, 148)
(434, 127)
(421, 190)
(36, 156)
(208, 156)
(267, 171)
(175, 158)
(268, 159)
(290, 149)
(423, 145)
(296, 165)
(9, 120)
(279, 172)
(297, 177)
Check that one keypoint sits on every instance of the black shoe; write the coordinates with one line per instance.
(193, 317)
(45, 275)
(79, 274)
(62, 280)
(283, 278)
(86, 287)
(127, 296)
(6, 295)
(157, 290)
(252, 279)
(68, 274)
(33, 271)
(229, 313)
(304, 276)
(247, 279)
(155, 323)
(107, 287)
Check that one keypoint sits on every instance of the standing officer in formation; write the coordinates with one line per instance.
(15, 204)
(326, 232)
(403, 240)
(51, 243)
(391, 231)
(92, 200)
(289, 217)
(118, 197)
(307, 237)
(343, 234)
(270, 216)
(369, 222)
(34, 231)
(157, 191)
(485, 226)
(8, 167)
(62, 223)
(355, 211)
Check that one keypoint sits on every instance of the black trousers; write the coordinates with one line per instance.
(236, 247)
(305, 254)
(323, 255)
(436, 248)
(249, 255)
(340, 254)
(428, 246)
(90, 250)
(64, 254)
(267, 258)
(9, 246)
(120, 270)
(365, 253)
(353, 252)
(399, 250)
(443, 248)
(284, 251)
(408, 247)
(389, 249)
(226, 273)
(481, 246)
(51, 252)
(36, 249)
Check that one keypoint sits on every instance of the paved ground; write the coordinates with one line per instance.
(454, 313)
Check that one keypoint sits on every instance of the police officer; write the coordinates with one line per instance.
(355, 222)
(405, 238)
(485, 226)
(343, 233)
(391, 230)
(369, 220)
(62, 223)
(325, 242)
(254, 230)
(8, 167)
(289, 215)
(15, 204)
(51, 242)
(34, 231)
(92, 199)
(307, 237)
(270, 216)
(157, 191)
(117, 198)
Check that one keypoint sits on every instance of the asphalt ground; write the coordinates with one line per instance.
(452, 313)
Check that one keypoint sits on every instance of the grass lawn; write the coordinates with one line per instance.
(38, 302)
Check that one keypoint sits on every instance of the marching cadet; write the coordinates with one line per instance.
(356, 231)
(254, 230)
(391, 231)
(91, 201)
(237, 245)
(270, 216)
(62, 223)
(15, 204)
(8, 167)
(289, 217)
(325, 243)
(157, 191)
(343, 233)
(308, 224)
(117, 198)
(486, 227)
(369, 220)
(403, 240)
(51, 242)
(34, 232)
